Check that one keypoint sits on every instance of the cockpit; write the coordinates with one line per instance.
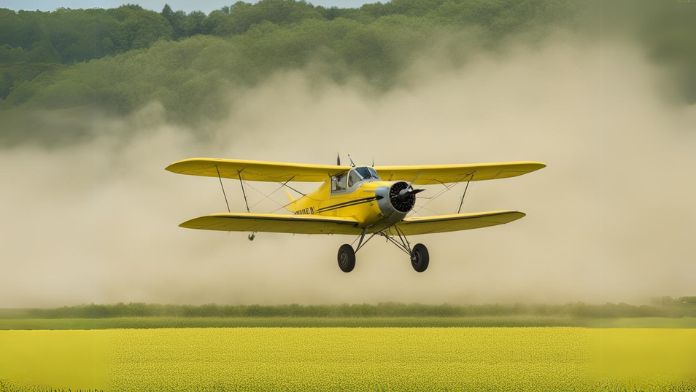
(341, 182)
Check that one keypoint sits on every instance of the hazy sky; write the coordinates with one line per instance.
(157, 5)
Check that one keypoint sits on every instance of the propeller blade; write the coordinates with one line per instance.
(403, 194)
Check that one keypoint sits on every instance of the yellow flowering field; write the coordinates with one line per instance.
(476, 359)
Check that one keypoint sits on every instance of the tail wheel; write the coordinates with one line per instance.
(420, 258)
(346, 258)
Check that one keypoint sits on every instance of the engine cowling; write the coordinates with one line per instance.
(402, 197)
(396, 201)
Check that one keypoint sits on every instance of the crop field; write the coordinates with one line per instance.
(216, 359)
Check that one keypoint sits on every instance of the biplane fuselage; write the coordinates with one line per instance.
(353, 201)
(350, 195)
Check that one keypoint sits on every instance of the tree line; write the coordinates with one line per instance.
(664, 307)
(35, 42)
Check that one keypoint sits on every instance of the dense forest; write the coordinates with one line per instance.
(114, 61)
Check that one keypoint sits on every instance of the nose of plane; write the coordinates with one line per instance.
(402, 196)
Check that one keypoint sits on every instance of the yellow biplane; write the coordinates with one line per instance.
(362, 201)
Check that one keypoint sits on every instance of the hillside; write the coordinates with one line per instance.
(115, 61)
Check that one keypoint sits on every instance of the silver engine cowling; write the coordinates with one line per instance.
(396, 201)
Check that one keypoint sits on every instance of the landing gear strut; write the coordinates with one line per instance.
(346, 253)
(346, 258)
(418, 254)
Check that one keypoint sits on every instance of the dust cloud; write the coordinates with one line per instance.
(610, 219)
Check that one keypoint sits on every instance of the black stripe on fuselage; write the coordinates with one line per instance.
(349, 203)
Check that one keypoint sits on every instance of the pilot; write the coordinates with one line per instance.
(339, 182)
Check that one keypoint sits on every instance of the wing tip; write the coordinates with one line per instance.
(517, 215)
(175, 167)
(188, 224)
(170, 167)
(197, 222)
(529, 166)
(538, 165)
(510, 215)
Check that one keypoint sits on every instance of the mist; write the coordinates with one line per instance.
(610, 218)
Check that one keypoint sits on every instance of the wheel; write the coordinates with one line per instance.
(420, 258)
(346, 258)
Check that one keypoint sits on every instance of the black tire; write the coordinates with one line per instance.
(420, 258)
(346, 258)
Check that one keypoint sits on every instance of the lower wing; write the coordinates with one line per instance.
(455, 222)
(275, 223)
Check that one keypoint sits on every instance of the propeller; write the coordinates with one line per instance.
(403, 196)
(338, 159)
(406, 193)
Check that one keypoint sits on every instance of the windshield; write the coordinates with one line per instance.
(367, 173)
(341, 182)
(353, 178)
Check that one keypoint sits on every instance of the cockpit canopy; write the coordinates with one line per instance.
(343, 181)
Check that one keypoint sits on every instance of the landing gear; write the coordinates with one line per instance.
(418, 254)
(420, 258)
(346, 258)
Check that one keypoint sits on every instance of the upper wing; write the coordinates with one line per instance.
(276, 223)
(437, 174)
(256, 170)
(455, 222)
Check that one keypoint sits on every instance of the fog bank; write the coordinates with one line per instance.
(609, 219)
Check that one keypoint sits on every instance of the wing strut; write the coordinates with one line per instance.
(223, 189)
(252, 235)
(464, 194)
(246, 203)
